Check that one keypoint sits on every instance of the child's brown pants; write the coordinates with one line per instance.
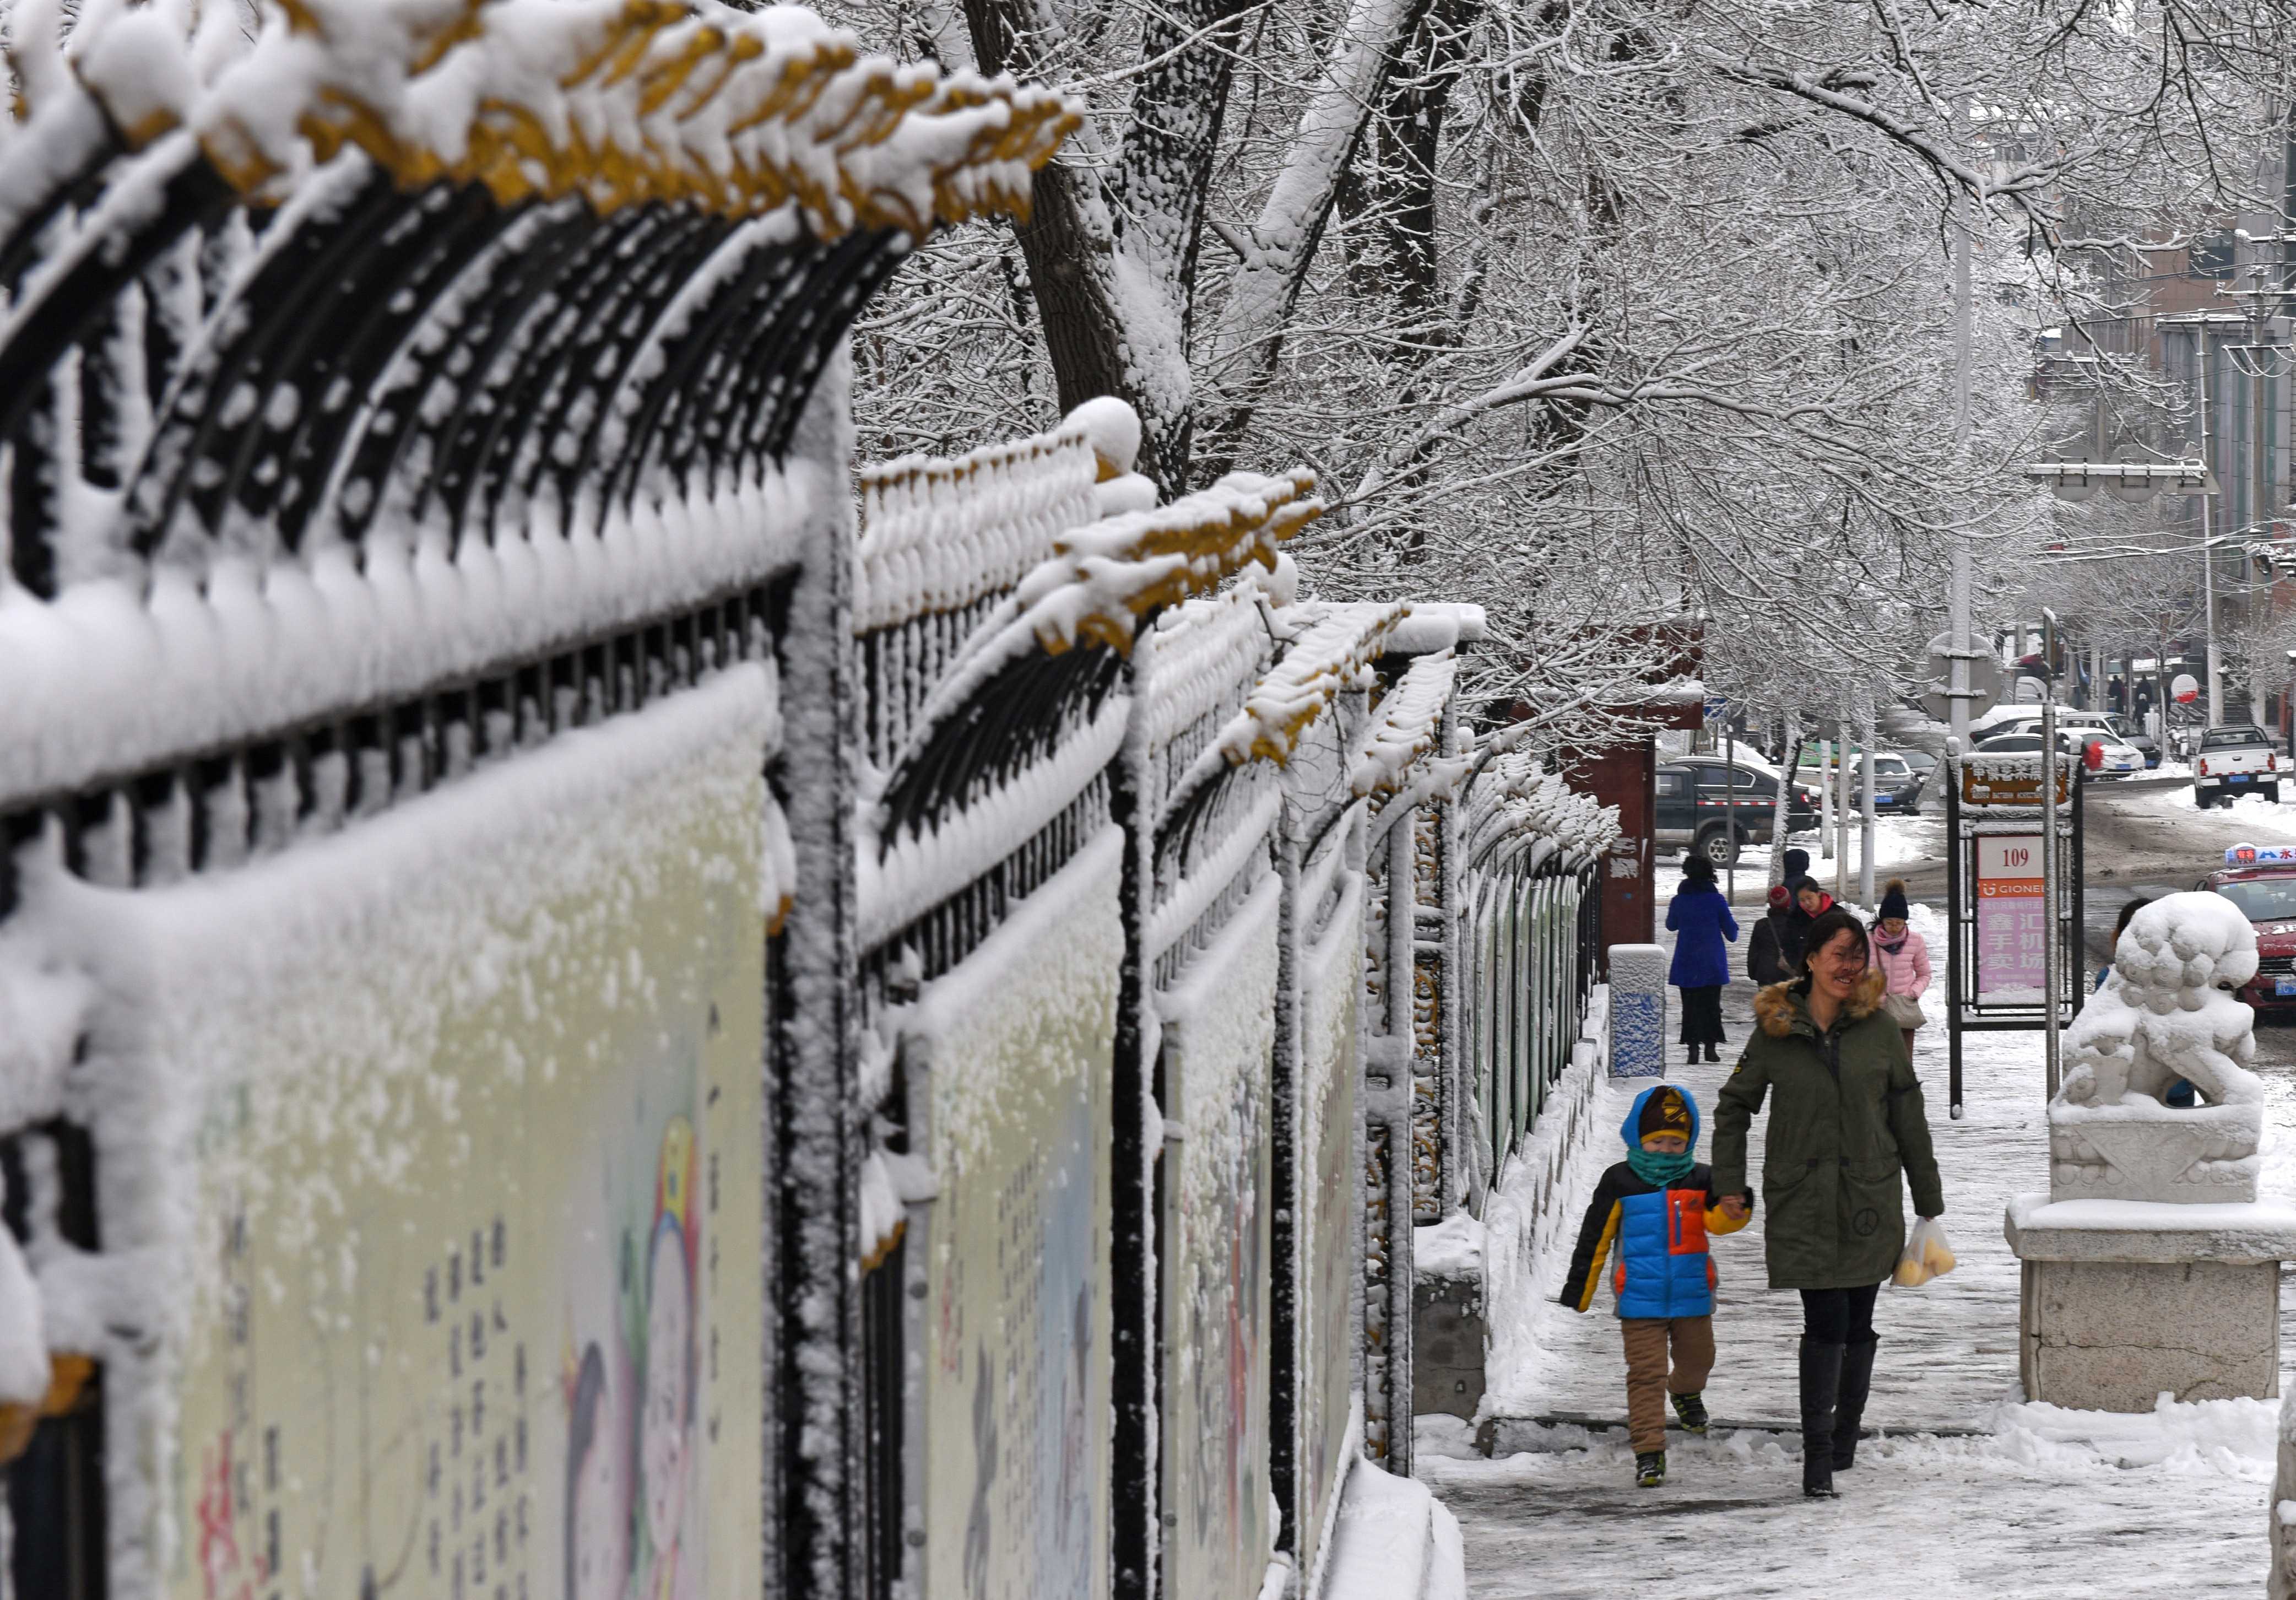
(1647, 1383)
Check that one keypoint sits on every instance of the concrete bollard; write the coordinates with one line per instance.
(1637, 1011)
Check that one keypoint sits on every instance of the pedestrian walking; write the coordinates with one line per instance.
(1701, 921)
(1847, 1121)
(1767, 958)
(2128, 910)
(1656, 1206)
(2179, 1095)
(1813, 902)
(1902, 957)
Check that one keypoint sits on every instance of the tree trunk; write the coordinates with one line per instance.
(1098, 345)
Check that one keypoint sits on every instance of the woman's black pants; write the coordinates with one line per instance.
(1839, 1316)
(1702, 1015)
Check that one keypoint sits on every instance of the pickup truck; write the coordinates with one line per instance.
(1698, 803)
(2232, 759)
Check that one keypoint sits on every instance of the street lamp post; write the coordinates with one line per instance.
(2143, 479)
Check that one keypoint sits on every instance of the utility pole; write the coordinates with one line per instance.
(1828, 751)
(1867, 802)
(1842, 818)
(1958, 594)
(2208, 533)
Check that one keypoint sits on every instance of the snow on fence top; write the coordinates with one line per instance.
(939, 533)
(1407, 726)
(1331, 655)
(1207, 655)
(522, 354)
(1511, 796)
(615, 101)
(1103, 577)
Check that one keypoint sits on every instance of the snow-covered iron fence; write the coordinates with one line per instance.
(554, 990)
(1526, 934)
(422, 557)
(1532, 851)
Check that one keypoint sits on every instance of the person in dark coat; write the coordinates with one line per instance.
(1700, 918)
(1797, 864)
(1848, 1135)
(1767, 958)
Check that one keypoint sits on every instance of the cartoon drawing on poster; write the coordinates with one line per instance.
(1012, 1048)
(475, 1254)
(630, 1522)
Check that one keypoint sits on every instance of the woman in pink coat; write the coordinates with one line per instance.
(1903, 959)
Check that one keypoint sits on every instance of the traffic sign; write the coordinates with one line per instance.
(1984, 680)
(2183, 689)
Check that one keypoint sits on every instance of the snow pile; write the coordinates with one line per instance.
(2167, 1013)
(1529, 1218)
(615, 101)
(1452, 1248)
(1393, 1540)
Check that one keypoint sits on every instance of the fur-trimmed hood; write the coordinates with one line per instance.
(1782, 1007)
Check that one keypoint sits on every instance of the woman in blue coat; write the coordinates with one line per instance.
(1699, 919)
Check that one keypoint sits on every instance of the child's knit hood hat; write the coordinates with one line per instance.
(1662, 1108)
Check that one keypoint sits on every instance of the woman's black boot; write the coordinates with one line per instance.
(1850, 1411)
(1821, 1389)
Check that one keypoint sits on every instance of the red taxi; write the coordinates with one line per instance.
(2261, 880)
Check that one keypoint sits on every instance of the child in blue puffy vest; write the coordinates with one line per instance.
(1656, 1208)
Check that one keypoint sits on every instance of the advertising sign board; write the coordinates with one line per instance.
(2011, 929)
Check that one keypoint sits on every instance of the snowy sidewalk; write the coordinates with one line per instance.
(2040, 1502)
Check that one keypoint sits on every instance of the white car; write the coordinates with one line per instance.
(2115, 760)
(2122, 758)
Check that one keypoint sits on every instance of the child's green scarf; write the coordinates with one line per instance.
(1653, 1167)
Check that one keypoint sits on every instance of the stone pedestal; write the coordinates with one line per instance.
(2125, 1299)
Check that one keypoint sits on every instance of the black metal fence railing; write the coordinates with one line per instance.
(566, 988)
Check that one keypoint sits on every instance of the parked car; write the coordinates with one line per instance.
(1702, 807)
(2234, 758)
(2144, 744)
(2116, 759)
(2119, 747)
(2261, 880)
(1897, 786)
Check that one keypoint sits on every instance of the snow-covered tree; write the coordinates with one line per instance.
(1604, 311)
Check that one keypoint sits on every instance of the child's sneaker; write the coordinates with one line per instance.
(1692, 1409)
(1650, 1468)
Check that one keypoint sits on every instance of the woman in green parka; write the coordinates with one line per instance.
(1846, 1121)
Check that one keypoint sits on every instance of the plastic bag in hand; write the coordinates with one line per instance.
(1926, 1255)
